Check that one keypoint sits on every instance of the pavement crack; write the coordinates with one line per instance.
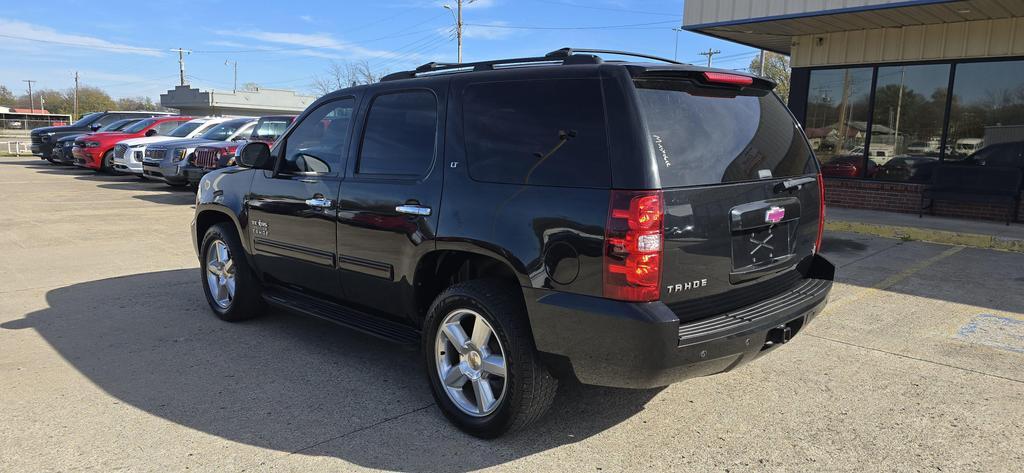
(901, 355)
(355, 431)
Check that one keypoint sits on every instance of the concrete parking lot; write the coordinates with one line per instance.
(110, 359)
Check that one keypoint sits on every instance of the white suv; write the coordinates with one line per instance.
(128, 153)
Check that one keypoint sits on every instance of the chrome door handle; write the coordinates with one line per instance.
(319, 203)
(413, 210)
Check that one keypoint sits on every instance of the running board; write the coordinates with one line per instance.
(342, 315)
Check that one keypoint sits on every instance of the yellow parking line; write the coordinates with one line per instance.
(892, 280)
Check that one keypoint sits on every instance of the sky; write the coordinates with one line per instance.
(124, 46)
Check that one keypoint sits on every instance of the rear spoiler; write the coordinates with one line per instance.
(704, 77)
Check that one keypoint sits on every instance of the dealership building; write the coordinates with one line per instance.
(243, 103)
(888, 90)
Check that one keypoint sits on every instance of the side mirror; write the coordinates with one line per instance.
(254, 155)
(151, 132)
(95, 127)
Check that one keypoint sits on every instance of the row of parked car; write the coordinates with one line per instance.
(175, 149)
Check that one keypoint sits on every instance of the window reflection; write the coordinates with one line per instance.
(910, 103)
(987, 110)
(836, 122)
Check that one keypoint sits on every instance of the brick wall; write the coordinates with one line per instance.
(904, 197)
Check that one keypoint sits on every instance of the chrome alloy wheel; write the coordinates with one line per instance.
(471, 367)
(220, 274)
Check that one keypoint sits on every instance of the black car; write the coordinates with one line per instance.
(61, 153)
(44, 139)
(908, 168)
(626, 224)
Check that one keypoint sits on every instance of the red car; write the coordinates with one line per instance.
(221, 154)
(96, 151)
(849, 166)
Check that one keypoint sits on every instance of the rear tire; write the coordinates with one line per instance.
(231, 287)
(526, 390)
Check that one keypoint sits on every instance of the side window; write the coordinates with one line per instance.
(164, 128)
(543, 132)
(400, 134)
(108, 119)
(319, 143)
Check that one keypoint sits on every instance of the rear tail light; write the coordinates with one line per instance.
(821, 213)
(634, 237)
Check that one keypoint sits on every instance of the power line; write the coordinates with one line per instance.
(710, 53)
(623, 10)
(603, 27)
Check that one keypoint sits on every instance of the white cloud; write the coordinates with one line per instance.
(42, 35)
(306, 18)
(325, 45)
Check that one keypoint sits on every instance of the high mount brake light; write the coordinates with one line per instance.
(728, 79)
(634, 238)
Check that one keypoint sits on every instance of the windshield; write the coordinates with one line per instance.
(704, 138)
(118, 125)
(224, 131)
(87, 119)
(270, 128)
(183, 130)
(141, 125)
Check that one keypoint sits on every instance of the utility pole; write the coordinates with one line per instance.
(76, 96)
(458, 21)
(31, 99)
(710, 53)
(675, 54)
(761, 70)
(181, 63)
(235, 65)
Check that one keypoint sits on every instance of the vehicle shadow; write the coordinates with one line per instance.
(177, 197)
(136, 185)
(283, 381)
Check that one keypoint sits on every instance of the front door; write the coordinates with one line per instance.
(388, 207)
(293, 210)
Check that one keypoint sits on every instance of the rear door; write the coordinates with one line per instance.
(293, 210)
(740, 189)
(388, 207)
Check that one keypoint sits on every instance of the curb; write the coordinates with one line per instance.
(930, 235)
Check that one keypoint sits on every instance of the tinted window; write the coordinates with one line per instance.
(164, 128)
(838, 112)
(225, 130)
(108, 119)
(703, 139)
(87, 119)
(400, 134)
(184, 129)
(910, 102)
(319, 143)
(118, 125)
(987, 107)
(544, 132)
(270, 128)
(140, 125)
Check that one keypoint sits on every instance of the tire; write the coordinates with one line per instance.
(108, 159)
(245, 303)
(527, 389)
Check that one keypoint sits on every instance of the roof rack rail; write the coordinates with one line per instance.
(566, 52)
(565, 56)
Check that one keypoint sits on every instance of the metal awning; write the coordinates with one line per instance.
(776, 33)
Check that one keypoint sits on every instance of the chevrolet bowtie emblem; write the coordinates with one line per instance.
(774, 215)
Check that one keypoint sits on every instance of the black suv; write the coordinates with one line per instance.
(626, 224)
(44, 139)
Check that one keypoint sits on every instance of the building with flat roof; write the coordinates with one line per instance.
(935, 81)
(190, 101)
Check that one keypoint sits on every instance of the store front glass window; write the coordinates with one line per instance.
(906, 135)
(837, 113)
(987, 113)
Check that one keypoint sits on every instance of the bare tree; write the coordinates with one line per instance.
(340, 75)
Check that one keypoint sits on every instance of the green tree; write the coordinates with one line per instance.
(776, 68)
(137, 103)
(93, 99)
(6, 97)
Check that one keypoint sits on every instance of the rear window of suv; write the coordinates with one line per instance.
(541, 132)
(707, 136)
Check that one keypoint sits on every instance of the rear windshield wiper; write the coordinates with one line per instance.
(791, 183)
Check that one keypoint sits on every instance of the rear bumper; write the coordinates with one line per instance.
(611, 343)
